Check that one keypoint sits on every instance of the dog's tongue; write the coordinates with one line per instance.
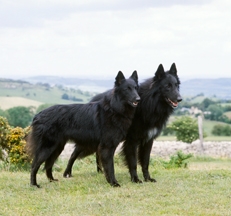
(175, 104)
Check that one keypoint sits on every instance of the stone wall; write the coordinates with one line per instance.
(166, 148)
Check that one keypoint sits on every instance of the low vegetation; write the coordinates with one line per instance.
(185, 128)
(196, 190)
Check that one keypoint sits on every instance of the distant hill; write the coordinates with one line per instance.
(220, 88)
(90, 85)
(20, 92)
(209, 87)
(35, 88)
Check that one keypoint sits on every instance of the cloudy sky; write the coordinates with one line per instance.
(97, 38)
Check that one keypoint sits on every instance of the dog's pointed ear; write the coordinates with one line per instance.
(173, 69)
(119, 78)
(159, 73)
(134, 76)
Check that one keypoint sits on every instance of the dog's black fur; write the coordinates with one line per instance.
(159, 96)
(95, 126)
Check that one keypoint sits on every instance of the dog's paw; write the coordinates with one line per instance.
(150, 180)
(115, 184)
(137, 180)
(67, 175)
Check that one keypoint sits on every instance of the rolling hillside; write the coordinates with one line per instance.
(220, 88)
(18, 92)
(49, 89)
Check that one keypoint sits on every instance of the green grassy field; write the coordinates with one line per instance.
(40, 93)
(202, 189)
(199, 99)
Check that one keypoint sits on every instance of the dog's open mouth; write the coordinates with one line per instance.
(173, 104)
(134, 103)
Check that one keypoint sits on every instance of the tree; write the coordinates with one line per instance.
(65, 96)
(186, 129)
(221, 130)
(3, 113)
(216, 112)
(20, 116)
(42, 107)
(206, 103)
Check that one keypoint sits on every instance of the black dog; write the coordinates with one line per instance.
(159, 96)
(95, 126)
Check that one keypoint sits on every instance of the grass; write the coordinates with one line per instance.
(39, 93)
(177, 191)
(228, 114)
(199, 99)
(208, 138)
(208, 126)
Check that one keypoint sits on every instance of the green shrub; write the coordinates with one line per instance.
(221, 130)
(179, 160)
(186, 129)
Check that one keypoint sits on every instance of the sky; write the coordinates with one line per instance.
(98, 38)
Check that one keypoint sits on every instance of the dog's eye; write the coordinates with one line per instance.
(169, 85)
(129, 88)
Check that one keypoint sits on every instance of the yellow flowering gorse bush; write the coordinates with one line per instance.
(4, 131)
(17, 143)
(12, 141)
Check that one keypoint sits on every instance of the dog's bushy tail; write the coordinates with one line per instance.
(31, 146)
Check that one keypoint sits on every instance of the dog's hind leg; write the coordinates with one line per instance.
(68, 171)
(129, 151)
(50, 162)
(98, 163)
(106, 157)
(144, 158)
(37, 161)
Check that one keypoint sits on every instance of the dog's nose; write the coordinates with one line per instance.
(179, 99)
(138, 99)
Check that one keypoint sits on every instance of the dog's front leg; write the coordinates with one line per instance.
(107, 159)
(129, 151)
(144, 158)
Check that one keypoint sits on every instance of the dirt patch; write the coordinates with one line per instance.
(9, 102)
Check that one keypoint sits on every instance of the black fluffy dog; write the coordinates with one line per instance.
(95, 126)
(159, 96)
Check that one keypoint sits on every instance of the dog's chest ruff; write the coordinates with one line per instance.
(152, 133)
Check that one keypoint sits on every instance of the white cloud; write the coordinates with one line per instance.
(82, 40)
